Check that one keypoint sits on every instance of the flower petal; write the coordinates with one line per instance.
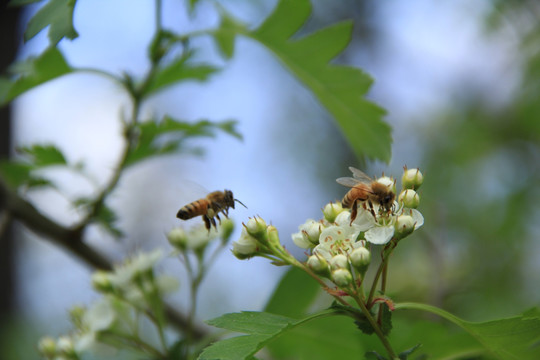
(418, 218)
(379, 235)
(301, 240)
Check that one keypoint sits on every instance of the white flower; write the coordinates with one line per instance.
(309, 233)
(336, 240)
(100, 316)
(139, 264)
(198, 237)
(167, 284)
(246, 246)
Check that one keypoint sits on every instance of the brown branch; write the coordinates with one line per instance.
(72, 240)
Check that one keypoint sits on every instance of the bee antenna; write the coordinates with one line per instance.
(241, 203)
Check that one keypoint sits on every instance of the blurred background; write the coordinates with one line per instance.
(459, 81)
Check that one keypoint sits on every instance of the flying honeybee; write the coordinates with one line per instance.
(209, 207)
(364, 188)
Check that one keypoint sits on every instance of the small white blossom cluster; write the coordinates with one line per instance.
(260, 239)
(198, 238)
(337, 242)
(131, 291)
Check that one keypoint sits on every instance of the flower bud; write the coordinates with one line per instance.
(339, 261)
(177, 238)
(245, 247)
(227, 228)
(76, 314)
(412, 179)
(409, 198)
(332, 210)
(313, 231)
(102, 282)
(404, 226)
(308, 236)
(319, 265)
(388, 182)
(256, 227)
(360, 259)
(273, 236)
(342, 277)
(64, 345)
(47, 347)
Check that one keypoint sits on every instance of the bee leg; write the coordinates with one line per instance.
(213, 221)
(217, 216)
(371, 209)
(354, 210)
(206, 222)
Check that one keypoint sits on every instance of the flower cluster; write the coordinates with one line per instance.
(198, 238)
(338, 243)
(260, 239)
(131, 291)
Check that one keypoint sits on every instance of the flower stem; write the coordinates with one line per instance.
(377, 329)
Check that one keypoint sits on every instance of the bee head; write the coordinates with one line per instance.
(229, 198)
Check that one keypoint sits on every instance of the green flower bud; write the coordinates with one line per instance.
(360, 259)
(404, 226)
(102, 282)
(412, 178)
(47, 347)
(177, 238)
(76, 314)
(227, 228)
(409, 198)
(332, 210)
(273, 236)
(342, 277)
(256, 227)
(319, 265)
(339, 261)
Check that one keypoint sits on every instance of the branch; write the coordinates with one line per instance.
(71, 239)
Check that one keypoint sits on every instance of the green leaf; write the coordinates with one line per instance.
(340, 89)
(512, 338)
(261, 327)
(295, 293)
(44, 155)
(22, 173)
(169, 135)
(334, 337)
(386, 319)
(404, 355)
(15, 173)
(225, 35)
(107, 218)
(33, 72)
(192, 4)
(179, 70)
(58, 15)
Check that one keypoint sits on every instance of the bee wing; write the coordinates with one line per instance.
(360, 175)
(348, 181)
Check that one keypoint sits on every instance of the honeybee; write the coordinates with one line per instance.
(209, 207)
(364, 188)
